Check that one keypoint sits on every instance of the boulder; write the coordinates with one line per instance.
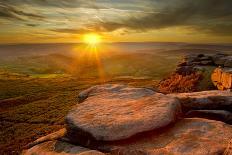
(220, 115)
(205, 100)
(228, 150)
(188, 136)
(115, 112)
(222, 78)
(59, 147)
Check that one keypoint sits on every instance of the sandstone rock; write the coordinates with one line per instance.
(205, 100)
(206, 62)
(53, 136)
(222, 78)
(59, 147)
(205, 58)
(115, 112)
(188, 136)
(228, 62)
(218, 59)
(228, 150)
(220, 115)
(126, 92)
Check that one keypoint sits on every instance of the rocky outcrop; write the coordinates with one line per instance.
(222, 78)
(205, 100)
(220, 115)
(117, 119)
(115, 112)
(194, 74)
(222, 60)
(188, 136)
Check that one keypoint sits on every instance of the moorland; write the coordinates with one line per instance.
(39, 83)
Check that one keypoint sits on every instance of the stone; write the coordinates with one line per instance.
(228, 150)
(220, 115)
(206, 62)
(222, 78)
(205, 100)
(188, 136)
(115, 112)
(59, 147)
(207, 58)
(228, 63)
(53, 136)
(218, 59)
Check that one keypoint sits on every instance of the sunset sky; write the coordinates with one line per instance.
(43, 21)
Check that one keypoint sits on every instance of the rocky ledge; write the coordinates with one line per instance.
(117, 119)
(197, 72)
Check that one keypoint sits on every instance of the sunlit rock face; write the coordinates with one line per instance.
(117, 119)
(205, 100)
(115, 112)
(222, 78)
(188, 136)
(196, 72)
(59, 147)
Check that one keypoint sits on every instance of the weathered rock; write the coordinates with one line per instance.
(188, 136)
(59, 147)
(53, 136)
(228, 150)
(228, 62)
(220, 61)
(222, 78)
(206, 62)
(115, 112)
(205, 100)
(220, 115)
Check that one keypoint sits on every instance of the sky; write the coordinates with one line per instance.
(55, 21)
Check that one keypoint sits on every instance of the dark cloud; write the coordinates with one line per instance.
(206, 15)
(71, 30)
(57, 3)
(10, 12)
(31, 25)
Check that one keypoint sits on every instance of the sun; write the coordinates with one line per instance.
(92, 39)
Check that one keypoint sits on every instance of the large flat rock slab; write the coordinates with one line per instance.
(205, 100)
(115, 112)
(188, 136)
(59, 147)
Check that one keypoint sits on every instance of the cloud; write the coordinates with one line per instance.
(10, 12)
(58, 4)
(202, 16)
(209, 16)
(71, 30)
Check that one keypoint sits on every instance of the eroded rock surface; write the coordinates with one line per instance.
(59, 147)
(115, 112)
(222, 78)
(205, 100)
(188, 136)
(220, 115)
(122, 120)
